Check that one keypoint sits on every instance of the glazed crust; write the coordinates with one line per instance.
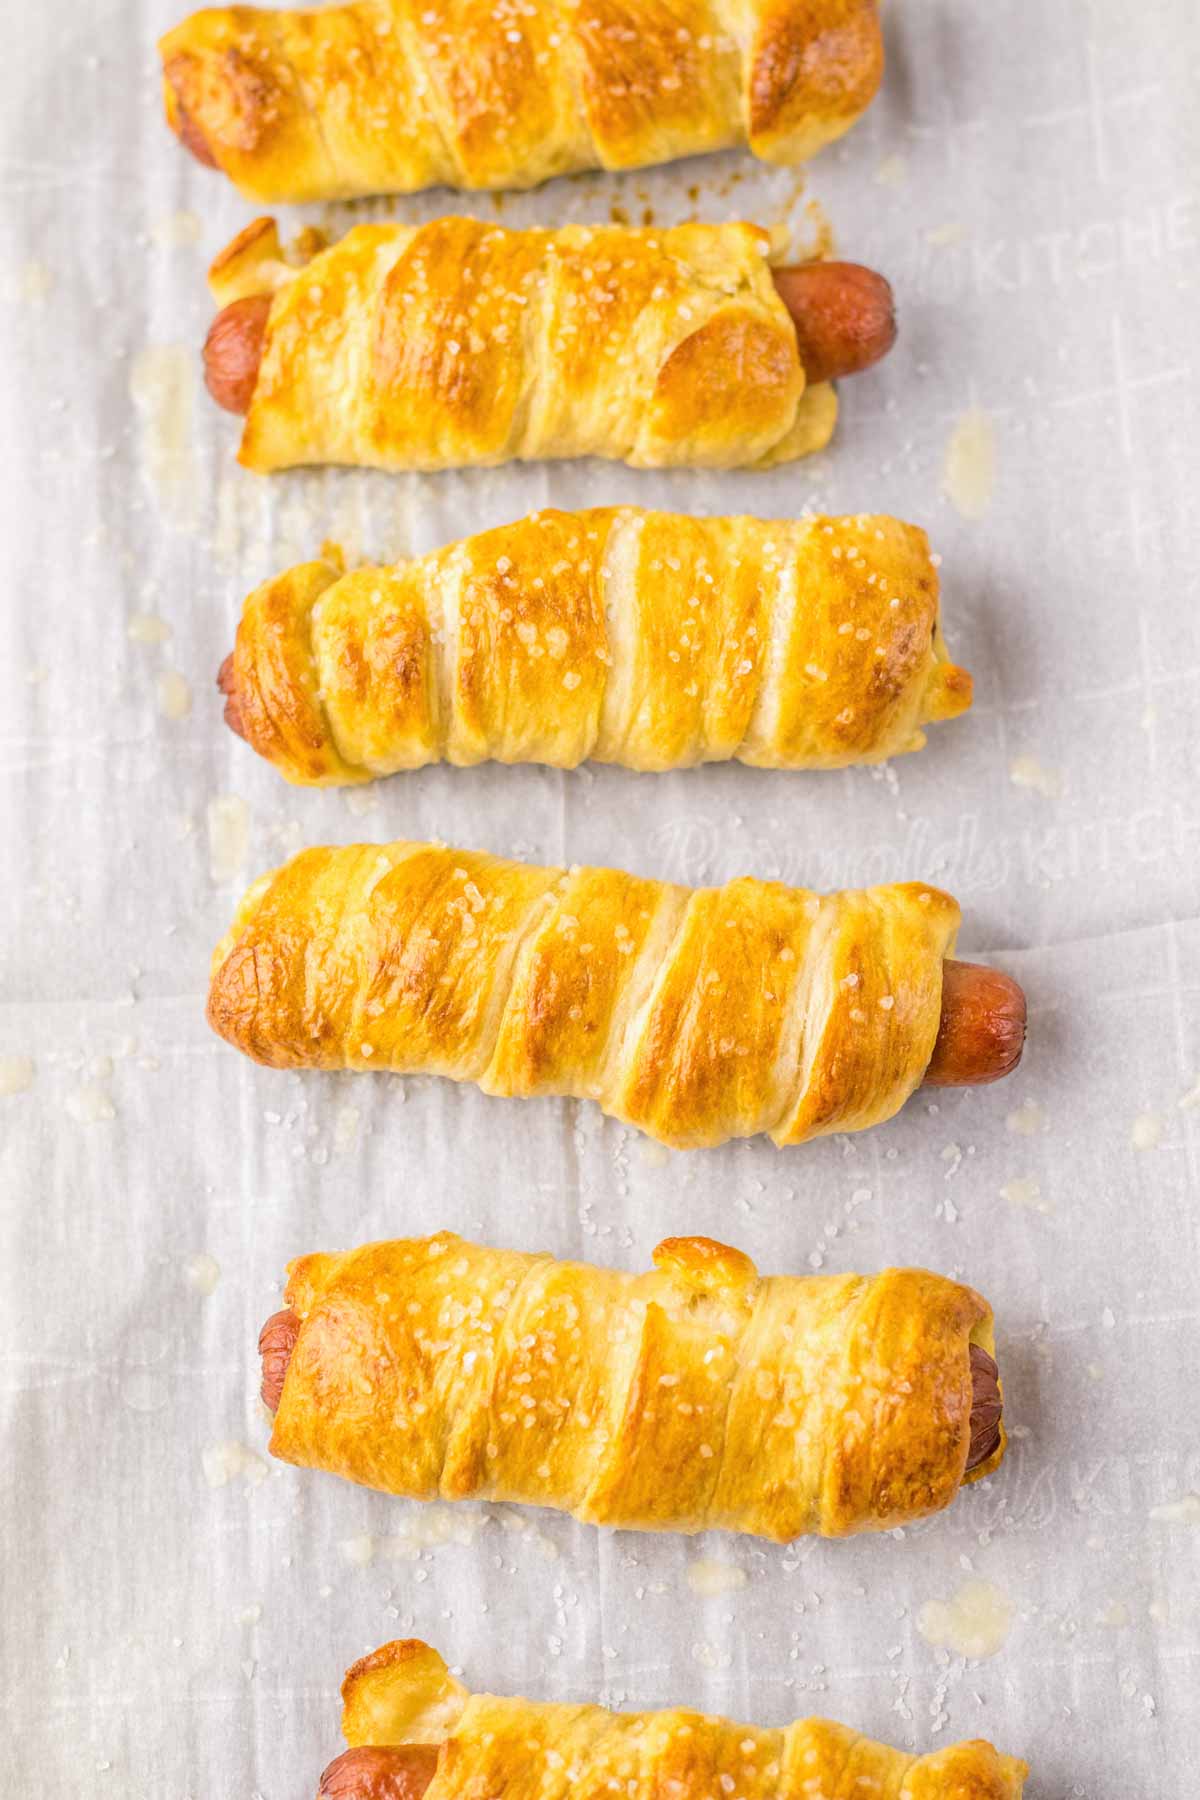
(456, 344)
(389, 96)
(694, 1014)
(697, 1397)
(403, 1693)
(652, 640)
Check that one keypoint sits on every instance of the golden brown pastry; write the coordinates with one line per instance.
(460, 344)
(648, 639)
(388, 96)
(698, 1397)
(401, 1703)
(694, 1014)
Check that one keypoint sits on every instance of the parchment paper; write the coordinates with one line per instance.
(176, 1611)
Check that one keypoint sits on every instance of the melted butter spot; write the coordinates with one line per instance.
(228, 819)
(1146, 1131)
(970, 470)
(710, 1577)
(974, 1623)
(162, 386)
(1027, 772)
(16, 1074)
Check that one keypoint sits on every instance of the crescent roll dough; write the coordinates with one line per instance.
(694, 1014)
(388, 96)
(403, 1693)
(695, 1398)
(457, 344)
(648, 639)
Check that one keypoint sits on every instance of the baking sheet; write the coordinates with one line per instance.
(177, 1612)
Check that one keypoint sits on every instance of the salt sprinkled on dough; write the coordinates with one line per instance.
(228, 819)
(147, 628)
(1185, 1511)
(970, 470)
(90, 1104)
(202, 1272)
(223, 1462)
(1026, 1120)
(174, 695)
(710, 1577)
(1027, 772)
(975, 1623)
(16, 1074)
(1146, 1131)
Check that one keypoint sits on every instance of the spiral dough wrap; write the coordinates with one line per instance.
(694, 1014)
(403, 1699)
(460, 344)
(693, 1398)
(652, 640)
(389, 96)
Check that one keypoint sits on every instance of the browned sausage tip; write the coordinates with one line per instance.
(178, 116)
(986, 1407)
(845, 316)
(982, 1030)
(276, 1341)
(380, 1772)
(233, 350)
(227, 683)
(193, 139)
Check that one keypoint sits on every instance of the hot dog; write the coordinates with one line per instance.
(982, 1030)
(844, 314)
(403, 1696)
(277, 1340)
(233, 350)
(297, 104)
(639, 673)
(981, 1034)
(987, 1407)
(380, 1772)
(227, 685)
(363, 1371)
(844, 317)
(395, 1772)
